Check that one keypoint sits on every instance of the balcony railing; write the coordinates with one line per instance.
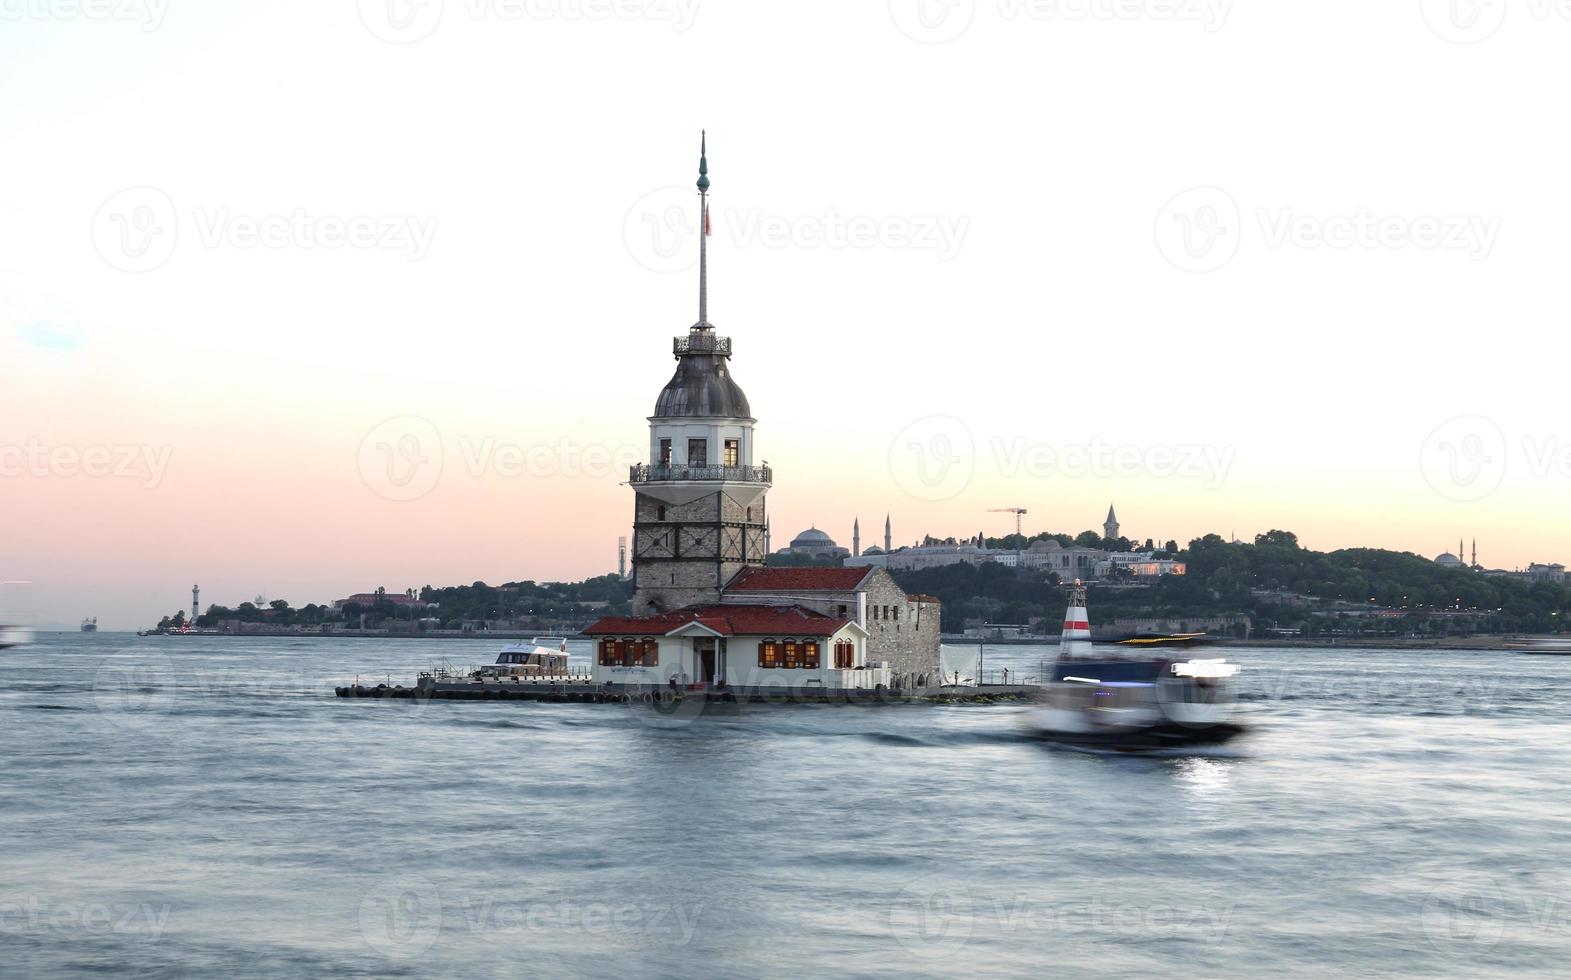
(659, 473)
(701, 342)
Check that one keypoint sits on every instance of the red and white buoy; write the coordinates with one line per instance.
(1076, 638)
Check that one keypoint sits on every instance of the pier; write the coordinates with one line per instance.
(581, 692)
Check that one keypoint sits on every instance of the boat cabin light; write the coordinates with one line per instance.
(1205, 668)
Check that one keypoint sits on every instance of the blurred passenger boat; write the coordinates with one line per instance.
(1134, 698)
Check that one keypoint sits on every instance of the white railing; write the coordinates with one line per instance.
(866, 679)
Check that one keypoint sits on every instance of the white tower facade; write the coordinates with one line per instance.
(699, 515)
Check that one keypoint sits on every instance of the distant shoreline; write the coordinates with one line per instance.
(1487, 642)
(1512, 642)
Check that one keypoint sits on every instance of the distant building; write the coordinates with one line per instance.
(1070, 563)
(396, 598)
(935, 553)
(813, 543)
(1110, 526)
(1140, 564)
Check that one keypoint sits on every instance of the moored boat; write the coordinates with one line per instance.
(543, 656)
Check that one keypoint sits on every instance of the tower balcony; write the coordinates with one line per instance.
(683, 473)
(701, 342)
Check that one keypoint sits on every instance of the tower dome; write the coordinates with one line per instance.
(702, 386)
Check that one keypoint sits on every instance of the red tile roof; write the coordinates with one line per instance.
(725, 620)
(797, 579)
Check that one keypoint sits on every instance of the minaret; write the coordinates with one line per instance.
(888, 538)
(699, 514)
(1475, 552)
(196, 601)
(856, 537)
(1110, 526)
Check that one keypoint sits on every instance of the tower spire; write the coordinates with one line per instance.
(703, 236)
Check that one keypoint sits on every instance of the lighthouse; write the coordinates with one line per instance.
(698, 515)
(1076, 638)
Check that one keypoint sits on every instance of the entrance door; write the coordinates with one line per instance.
(704, 651)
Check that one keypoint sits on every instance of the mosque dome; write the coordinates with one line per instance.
(812, 538)
(1449, 560)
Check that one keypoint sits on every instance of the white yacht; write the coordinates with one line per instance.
(543, 656)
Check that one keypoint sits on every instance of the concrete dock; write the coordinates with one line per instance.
(585, 693)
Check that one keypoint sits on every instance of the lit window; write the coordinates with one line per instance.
(608, 657)
(793, 655)
(732, 451)
(810, 655)
(768, 654)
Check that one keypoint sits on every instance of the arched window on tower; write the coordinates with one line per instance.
(660, 513)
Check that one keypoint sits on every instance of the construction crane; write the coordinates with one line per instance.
(1019, 512)
(1020, 538)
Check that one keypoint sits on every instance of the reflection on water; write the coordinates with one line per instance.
(187, 806)
(1205, 780)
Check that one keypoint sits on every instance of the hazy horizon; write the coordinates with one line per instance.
(248, 289)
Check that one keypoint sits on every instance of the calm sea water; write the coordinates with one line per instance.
(202, 807)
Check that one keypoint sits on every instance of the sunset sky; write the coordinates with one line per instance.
(1038, 263)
